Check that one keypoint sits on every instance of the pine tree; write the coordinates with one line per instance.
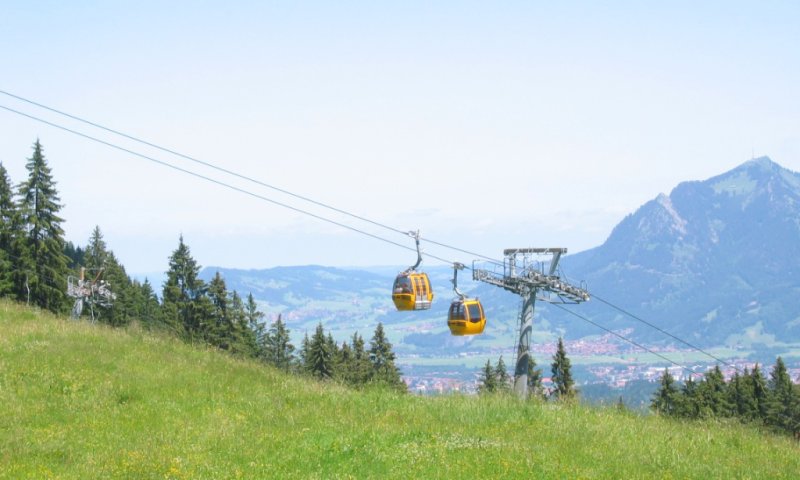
(688, 405)
(562, 374)
(712, 396)
(664, 399)
(220, 329)
(343, 364)
(741, 396)
(148, 309)
(304, 364)
(185, 305)
(384, 370)
(245, 342)
(503, 378)
(320, 358)
(7, 215)
(256, 325)
(41, 266)
(74, 254)
(487, 382)
(362, 367)
(96, 253)
(781, 392)
(278, 349)
(760, 392)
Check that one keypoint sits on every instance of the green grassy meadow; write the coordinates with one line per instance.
(86, 401)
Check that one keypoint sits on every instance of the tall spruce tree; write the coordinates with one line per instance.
(220, 329)
(503, 378)
(361, 367)
(564, 385)
(319, 356)
(779, 403)
(712, 396)
(278, 349)
(254, 319)
(384, 370)
(41, 266)
(245, 337)
(665, 398)
(148, 309)
(7, 214)
(760, 392)
(487, 382)
(185, 304)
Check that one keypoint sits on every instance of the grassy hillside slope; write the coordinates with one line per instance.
(82, 401)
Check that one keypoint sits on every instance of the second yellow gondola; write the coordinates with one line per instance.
(465, 316)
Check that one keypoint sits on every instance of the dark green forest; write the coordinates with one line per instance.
(37, 265)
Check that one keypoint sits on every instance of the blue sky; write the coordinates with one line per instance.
(484, 125)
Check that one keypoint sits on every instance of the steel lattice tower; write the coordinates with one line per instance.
(524, 274)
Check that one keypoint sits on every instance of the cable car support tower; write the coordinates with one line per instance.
(523, 273)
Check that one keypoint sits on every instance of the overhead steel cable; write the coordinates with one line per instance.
(694, 347)
(236, 174)
(287, 192)
(218, 182)
(627, 339)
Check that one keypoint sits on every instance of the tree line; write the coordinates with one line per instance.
(749, 397)
(36, 261)
(495, 379)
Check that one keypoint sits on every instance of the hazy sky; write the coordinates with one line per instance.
(486, 125)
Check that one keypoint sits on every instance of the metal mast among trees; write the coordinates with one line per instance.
(523, 273)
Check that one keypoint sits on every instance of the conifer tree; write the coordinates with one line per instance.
(741, 396)
(255, 322)
(343, 364)
(503, 378)
(362, 367)
(781, 391)
(712, 397)
(148, 309)
(760, 392)
(245, 342)
(278, 349)
(564, 388)
(304, 365)
(688, 405)
(664, 399)
(487, 382)
(7, 214)
(41, 266)
(320, 358)
(96, 253)
(220, 329)
(186, 307)
(384, 370)
(75, 255)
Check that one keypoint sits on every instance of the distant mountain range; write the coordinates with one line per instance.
(716, 262)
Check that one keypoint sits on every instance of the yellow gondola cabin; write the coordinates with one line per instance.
(466, 317)
(412, 291)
